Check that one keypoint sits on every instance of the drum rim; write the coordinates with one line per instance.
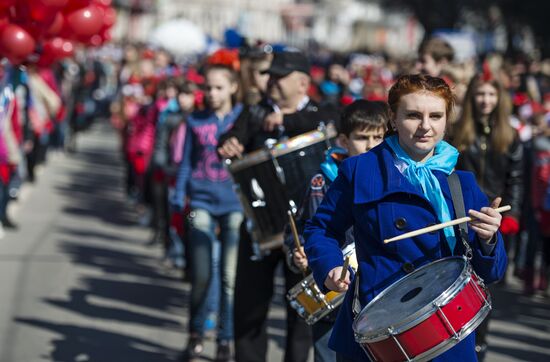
(263, 154)
(251, 159)
(422, 314)
(292, 292)
(318, 314)
(322, 312)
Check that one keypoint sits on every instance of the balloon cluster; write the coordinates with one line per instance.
(51, 28)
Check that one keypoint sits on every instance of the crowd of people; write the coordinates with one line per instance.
(178, 123)
(43, 109)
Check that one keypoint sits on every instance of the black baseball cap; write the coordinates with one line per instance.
(288, 61)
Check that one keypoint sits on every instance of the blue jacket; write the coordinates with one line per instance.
(202, 176)
(371, 195)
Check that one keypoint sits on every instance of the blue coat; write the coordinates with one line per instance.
(372, 195)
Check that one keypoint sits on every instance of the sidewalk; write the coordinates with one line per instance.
(77, 282)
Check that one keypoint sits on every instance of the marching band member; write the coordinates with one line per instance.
(362, 127)
(399, 186)
(286, 111)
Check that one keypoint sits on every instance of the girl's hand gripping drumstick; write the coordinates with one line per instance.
(338, 279)
(486, 221)
(449, 223)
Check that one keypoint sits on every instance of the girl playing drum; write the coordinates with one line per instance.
(397, 187)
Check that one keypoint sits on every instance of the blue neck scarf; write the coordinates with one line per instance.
(420, 175)
(330, 166)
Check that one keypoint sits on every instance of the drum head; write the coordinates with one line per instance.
(408, 296)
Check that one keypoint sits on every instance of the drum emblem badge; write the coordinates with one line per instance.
(257, 193)
(317, 182)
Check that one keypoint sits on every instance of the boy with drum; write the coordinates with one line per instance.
(361, 128)
(399, 186)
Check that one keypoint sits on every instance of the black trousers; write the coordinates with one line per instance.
(253, 293)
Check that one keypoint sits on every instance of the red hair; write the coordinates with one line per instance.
(412, 83)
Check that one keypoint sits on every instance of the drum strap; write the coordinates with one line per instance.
(460, 211)
(356, 305)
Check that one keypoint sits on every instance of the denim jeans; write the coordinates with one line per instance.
(213, 304)
(202, 236)
(176, 251)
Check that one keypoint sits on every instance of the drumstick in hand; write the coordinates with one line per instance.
(297, 243)
(344, 269)
(439, 226)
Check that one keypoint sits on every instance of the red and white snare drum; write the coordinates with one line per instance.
(424, 313)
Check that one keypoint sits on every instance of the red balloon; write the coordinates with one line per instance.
(103, 3)
(84, 23)
(55, 49)
(6, 4)
(75, 5)
(99, 39)
(54, 3)
(42, 14)
(59, 47)
(56, 27)
(4, 21)
(16, 43)
(34, 14)
(109, 17)
(106, 35)
(96, 40)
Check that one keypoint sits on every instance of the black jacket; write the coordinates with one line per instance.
(496, 174)
(248, 128)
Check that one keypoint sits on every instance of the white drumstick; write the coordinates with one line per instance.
(439, 226)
